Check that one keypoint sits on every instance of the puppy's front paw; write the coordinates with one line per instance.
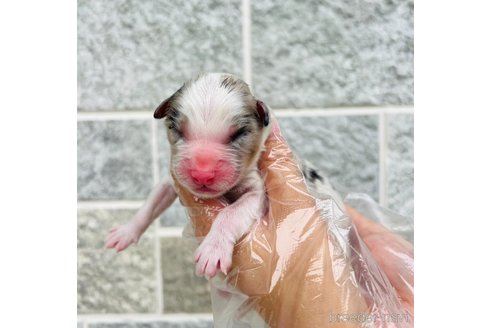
(121, 237)
(213, 255)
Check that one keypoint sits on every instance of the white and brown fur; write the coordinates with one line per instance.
(216, 129)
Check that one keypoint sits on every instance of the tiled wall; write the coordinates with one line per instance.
(339, 75)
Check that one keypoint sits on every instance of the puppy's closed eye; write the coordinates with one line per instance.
(173, 128)
(239, 133)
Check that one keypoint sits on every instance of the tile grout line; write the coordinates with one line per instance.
(157, 248)
(155, 153)
(280, 112)
(109, 205)
(114, 115)
(170, 232)
(246, 35)
(340, 111)
(143, 317)
(383, 150)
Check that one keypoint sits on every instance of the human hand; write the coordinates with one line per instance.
(393, 254)
(283, 264)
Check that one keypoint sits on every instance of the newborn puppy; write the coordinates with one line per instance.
(216, 129)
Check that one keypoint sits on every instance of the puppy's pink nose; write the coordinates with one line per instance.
(204, 160)
(203, 177)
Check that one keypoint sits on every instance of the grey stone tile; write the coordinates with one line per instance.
(183, 290)
(333, 53)
(80, 324)
(344, 148)
(110, 282)
(174, 216)
(114, 160)
(184, 323)
(400, 163)
(134, 53)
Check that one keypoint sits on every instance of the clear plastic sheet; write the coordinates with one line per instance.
(395, 222)
(304, 264)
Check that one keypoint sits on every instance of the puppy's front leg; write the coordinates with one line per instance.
(215, 252)
(158, 201)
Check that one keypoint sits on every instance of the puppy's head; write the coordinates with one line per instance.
(216, 129)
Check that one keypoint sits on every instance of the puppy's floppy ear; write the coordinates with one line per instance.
(163, 108)
(263, 112)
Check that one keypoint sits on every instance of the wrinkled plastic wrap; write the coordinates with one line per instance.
(303, 264)
(397, 223)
